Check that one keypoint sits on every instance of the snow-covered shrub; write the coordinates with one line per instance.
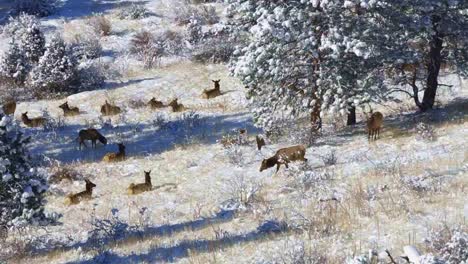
(60, 173)
(26, 33)
(426, 132)
(449, 244)
(86, 47)
(90, 75)
(173, 42)
(133, 12)
(55, 71)
(429, 182)
(330, 158)
(235, 154)
(23, 185)
(194, 31)
(100, 24)
(213, 50)
(35, 7)
(159, 120)
(107, 229)
(14, 66)
(185, 13)
(243, 191)
(144, 45)
(293, 251)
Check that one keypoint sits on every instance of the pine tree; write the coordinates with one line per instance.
(26, 32)
(13, 65)
(55, 70)
(303, 58)
(22, 186)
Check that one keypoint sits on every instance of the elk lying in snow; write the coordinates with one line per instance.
(155, 104)
(84, 195)
(141, 187)
(284, 156)
(115, 157)
(9, 107)
(69, 111)
(34, 122)
(374, 124)
(108, 109)
(260, 142)
(212, 93)
(91, 134)
(176, 107)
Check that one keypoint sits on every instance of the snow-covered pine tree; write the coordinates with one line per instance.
(26, 32)
(14, 66)
(55, 70)
(303, 58)
(22, 186)
(35, 7)
(416, 41)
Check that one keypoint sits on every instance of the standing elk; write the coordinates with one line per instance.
(108, 109)
(212, 93)
(84, 195)
(260, 142)
(284, 156)
(374, 125)
(115, 157)
(176, 107)
(69, 111)
(9, 107)
(155, 104)
(33, 122)
(141, 187)
(90, 134)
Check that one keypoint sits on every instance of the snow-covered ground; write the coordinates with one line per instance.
(378, 194)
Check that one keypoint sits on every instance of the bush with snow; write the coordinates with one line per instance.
(100, 24)
(145, 46)
(14, 66)
(450, 245)
(426, 132)
(90, 75)
(133, 12)
(35, 7)
(86, 47)
(243, 192)
(22, 184)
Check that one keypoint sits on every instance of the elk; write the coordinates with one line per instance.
(108, 109)
(176, 107)
(374, 124)
(34, 122)
(260, 142)
(284, 156)
(155, 104)
(115, 157)
(91, 134)
(84, 195)
(69, 111)
(212, 93)
(9, 107)
(141, 187)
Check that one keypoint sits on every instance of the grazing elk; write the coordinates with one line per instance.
(34, 122)
(108, 109)
(374, 125)
(141, 187)
(115, 157)
(84, 195)
(212, 93)
(155, 104)
(69, 111)
(9, 107)
(176, 107)
(284, 156)
(260, 142)
(91, 134)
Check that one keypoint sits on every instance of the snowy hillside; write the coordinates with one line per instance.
(209, 202)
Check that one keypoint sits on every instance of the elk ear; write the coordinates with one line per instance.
(218, 80)
(149, 171)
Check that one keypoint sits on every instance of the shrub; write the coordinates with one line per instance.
(35, 7)
(243, 192)
(86, 47)
(426, 132)
(144, 45)
(133, 12)
(449, 244)
(172, 42)
(14, 66)
(100, 24)
(90, 76)
(214, 51)
(330, 158)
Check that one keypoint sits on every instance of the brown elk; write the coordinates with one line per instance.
(84, 195)
(108, 109)
(91, 134)
(374, 125)
(9, 107)
(176, 107)
(155, 104)
(115, 157)
(260, 142)
(284, 156)
(69, 111)
(141, 187)
(212, 93)
(34, 122)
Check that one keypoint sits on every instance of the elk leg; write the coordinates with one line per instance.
(278, 167)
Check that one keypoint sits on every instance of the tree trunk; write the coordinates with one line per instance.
(315, 117)
(351, 116)
(433, 67)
